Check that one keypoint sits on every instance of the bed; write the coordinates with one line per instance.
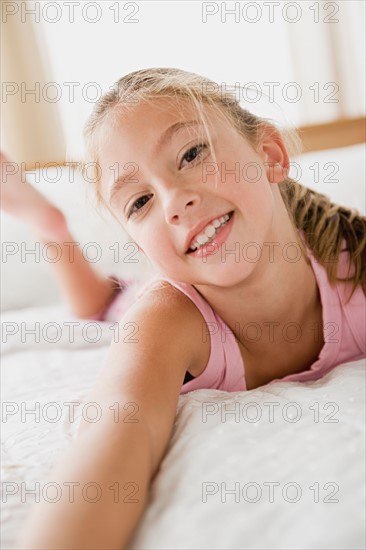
(278, 467)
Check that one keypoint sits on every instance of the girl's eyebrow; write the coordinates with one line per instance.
(168, 133)
(121, 181)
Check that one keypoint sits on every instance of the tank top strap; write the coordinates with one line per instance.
(225, 369)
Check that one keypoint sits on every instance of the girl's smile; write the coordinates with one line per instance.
(212, 237)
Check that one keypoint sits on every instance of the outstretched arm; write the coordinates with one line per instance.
(118, 459)
(85, 290)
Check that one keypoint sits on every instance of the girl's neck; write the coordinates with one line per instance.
(264, 304)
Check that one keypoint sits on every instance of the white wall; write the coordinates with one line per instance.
(270, 44)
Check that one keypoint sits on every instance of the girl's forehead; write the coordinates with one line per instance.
(159, 111)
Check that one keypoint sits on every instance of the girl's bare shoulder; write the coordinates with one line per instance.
(165, 300)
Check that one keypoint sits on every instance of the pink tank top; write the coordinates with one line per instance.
(344, 330)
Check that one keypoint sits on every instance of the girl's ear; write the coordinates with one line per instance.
(273, 153)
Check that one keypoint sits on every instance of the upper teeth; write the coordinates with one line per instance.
(209, 232)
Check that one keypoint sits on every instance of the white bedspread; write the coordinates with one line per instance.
(292, 478)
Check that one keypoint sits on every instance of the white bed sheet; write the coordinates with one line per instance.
(186, 507)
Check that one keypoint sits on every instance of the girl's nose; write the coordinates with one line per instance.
(180, 203)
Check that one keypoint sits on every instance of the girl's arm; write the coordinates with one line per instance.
(85, 290)
(114, 460)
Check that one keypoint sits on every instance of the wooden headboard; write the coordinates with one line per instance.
(338, 133)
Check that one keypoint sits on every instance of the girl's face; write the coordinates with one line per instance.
(164, 156)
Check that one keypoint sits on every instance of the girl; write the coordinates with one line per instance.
(201, 186)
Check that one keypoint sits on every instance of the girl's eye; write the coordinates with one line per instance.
(192, 154)
(132, 211)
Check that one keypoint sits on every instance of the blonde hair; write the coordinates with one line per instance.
(323, 223)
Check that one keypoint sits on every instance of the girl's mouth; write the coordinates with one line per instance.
(216, 241)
